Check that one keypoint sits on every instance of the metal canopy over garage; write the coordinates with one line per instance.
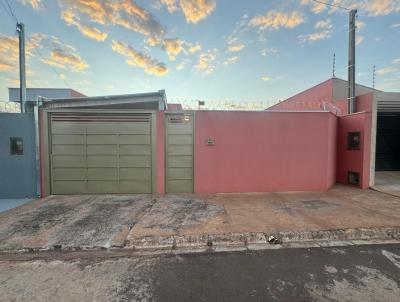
(100, 153)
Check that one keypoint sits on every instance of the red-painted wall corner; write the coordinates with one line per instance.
(160, 166)
(364, 102)
(354, 160)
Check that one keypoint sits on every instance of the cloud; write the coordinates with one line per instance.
(324, 31)
(193, 10)
(264, 52)
(231, 60)
(315, 36)
(91, 32)
(360, 24)
(124, 13)
(9, 50)
(382, 7)
(266, 78)
(173, 47)
(323, 24)
(182, 65)
(395, 25)
(276, 20)
(36, 4)
(196, 10)
(206, 61)
(372, 7)
(171, 5)
(317, 7)
(65, 57)
(60, 54)
(395, 68)
(57, 53)
(194, 48)
(153, 41)
(139, 59)
(359, 40)
(236, 47)
(4, 65)
(388, 70)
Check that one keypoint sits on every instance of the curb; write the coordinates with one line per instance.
(259, 240)
(235, 241)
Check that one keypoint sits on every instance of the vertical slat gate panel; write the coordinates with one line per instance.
(179, 153)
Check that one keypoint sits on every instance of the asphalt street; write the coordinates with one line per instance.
(349, 273)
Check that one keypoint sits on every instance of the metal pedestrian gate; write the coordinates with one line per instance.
(179, 153)
(100, 153)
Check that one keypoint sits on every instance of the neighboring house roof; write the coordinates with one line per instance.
(152, 101)
(33, 93)
(329, 91)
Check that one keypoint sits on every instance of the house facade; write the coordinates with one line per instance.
(139, 143)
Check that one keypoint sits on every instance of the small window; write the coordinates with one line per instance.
(16, 146)
(353, 141)
(353, 178)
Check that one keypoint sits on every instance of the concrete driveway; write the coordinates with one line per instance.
(194, 221)
(72, 221)
(97, 221)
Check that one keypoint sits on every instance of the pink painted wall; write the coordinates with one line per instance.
(160, 161)
(174, 106)
(354, 160)
(264, 151)
(309, 99)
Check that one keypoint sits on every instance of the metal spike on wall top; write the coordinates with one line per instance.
(334, 65)
(373, 76)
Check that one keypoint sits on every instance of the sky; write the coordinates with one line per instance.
(213, 50)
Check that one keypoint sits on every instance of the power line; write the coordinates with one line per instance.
(6, 10)
(11, 11)
(53, 69)
(12, 15)
(332, 5)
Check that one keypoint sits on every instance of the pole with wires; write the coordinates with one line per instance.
(22, 72)
(351, 97)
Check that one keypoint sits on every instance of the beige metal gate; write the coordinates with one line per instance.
(100, 153)
(179, 153)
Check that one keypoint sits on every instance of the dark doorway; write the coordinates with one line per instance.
(388, 142)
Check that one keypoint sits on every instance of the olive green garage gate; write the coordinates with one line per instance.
(179, 152)
(101, 152)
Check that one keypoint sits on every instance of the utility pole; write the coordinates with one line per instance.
(22, 73)
(351, 96)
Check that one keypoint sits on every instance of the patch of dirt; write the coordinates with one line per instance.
(33, 222)
(175, 213)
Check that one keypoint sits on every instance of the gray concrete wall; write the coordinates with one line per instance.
(340, 89)
(17, 172)
(33, 93)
